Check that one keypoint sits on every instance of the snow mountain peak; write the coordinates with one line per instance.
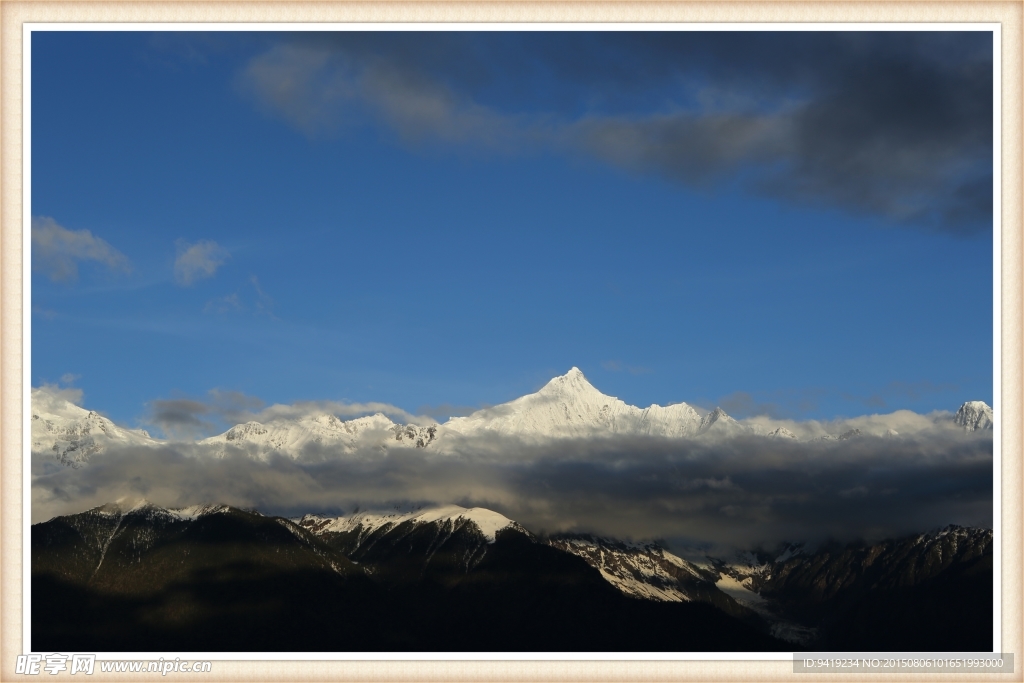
(572, 383)
(566, 407)
(974, 415)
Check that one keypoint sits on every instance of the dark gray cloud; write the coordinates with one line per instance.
(180, 417)
(901, 392)
(890, 124)
(741, 492)
(189, 418)
(742, 404)
(776, 405)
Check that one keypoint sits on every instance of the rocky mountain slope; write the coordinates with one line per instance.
(215, 578)
(210, 578)
(930, 591)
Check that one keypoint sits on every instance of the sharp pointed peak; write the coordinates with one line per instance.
(573, 380)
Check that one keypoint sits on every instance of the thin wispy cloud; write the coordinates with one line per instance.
(251, 299)
(58, 251)
(264, 305)
(223, 304)
(197, 261)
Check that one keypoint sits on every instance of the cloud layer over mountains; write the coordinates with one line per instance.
(740, 489)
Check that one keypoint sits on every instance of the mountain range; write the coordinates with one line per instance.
(135, 576)
(567, 407)
(439, 577)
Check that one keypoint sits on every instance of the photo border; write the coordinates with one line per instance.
(14, 370)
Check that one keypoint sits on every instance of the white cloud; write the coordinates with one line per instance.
(197, 261)
(57, 251)
(264, 304)
(51, 398)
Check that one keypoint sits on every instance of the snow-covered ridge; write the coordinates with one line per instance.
(567, 407)
(73, 434)
(318, 431)
(640, 570)
(124, 507)
(365, 523)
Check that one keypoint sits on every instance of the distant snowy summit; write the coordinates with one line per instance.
(974, 415)
(318, 431)
(567, 407)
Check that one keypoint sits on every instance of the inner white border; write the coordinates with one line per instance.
(27, 30)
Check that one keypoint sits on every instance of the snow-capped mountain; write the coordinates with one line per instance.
(569, 406)
(849, 434)
(403, 545)
(294, 437)
(781, 433)
(126, 577)
(73, 434)
(365, 524)
(974, 415)
(181, 566)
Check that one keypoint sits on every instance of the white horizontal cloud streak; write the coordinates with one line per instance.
(57, 251)
(742, 492)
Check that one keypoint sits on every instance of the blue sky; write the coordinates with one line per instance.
(787, 224)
